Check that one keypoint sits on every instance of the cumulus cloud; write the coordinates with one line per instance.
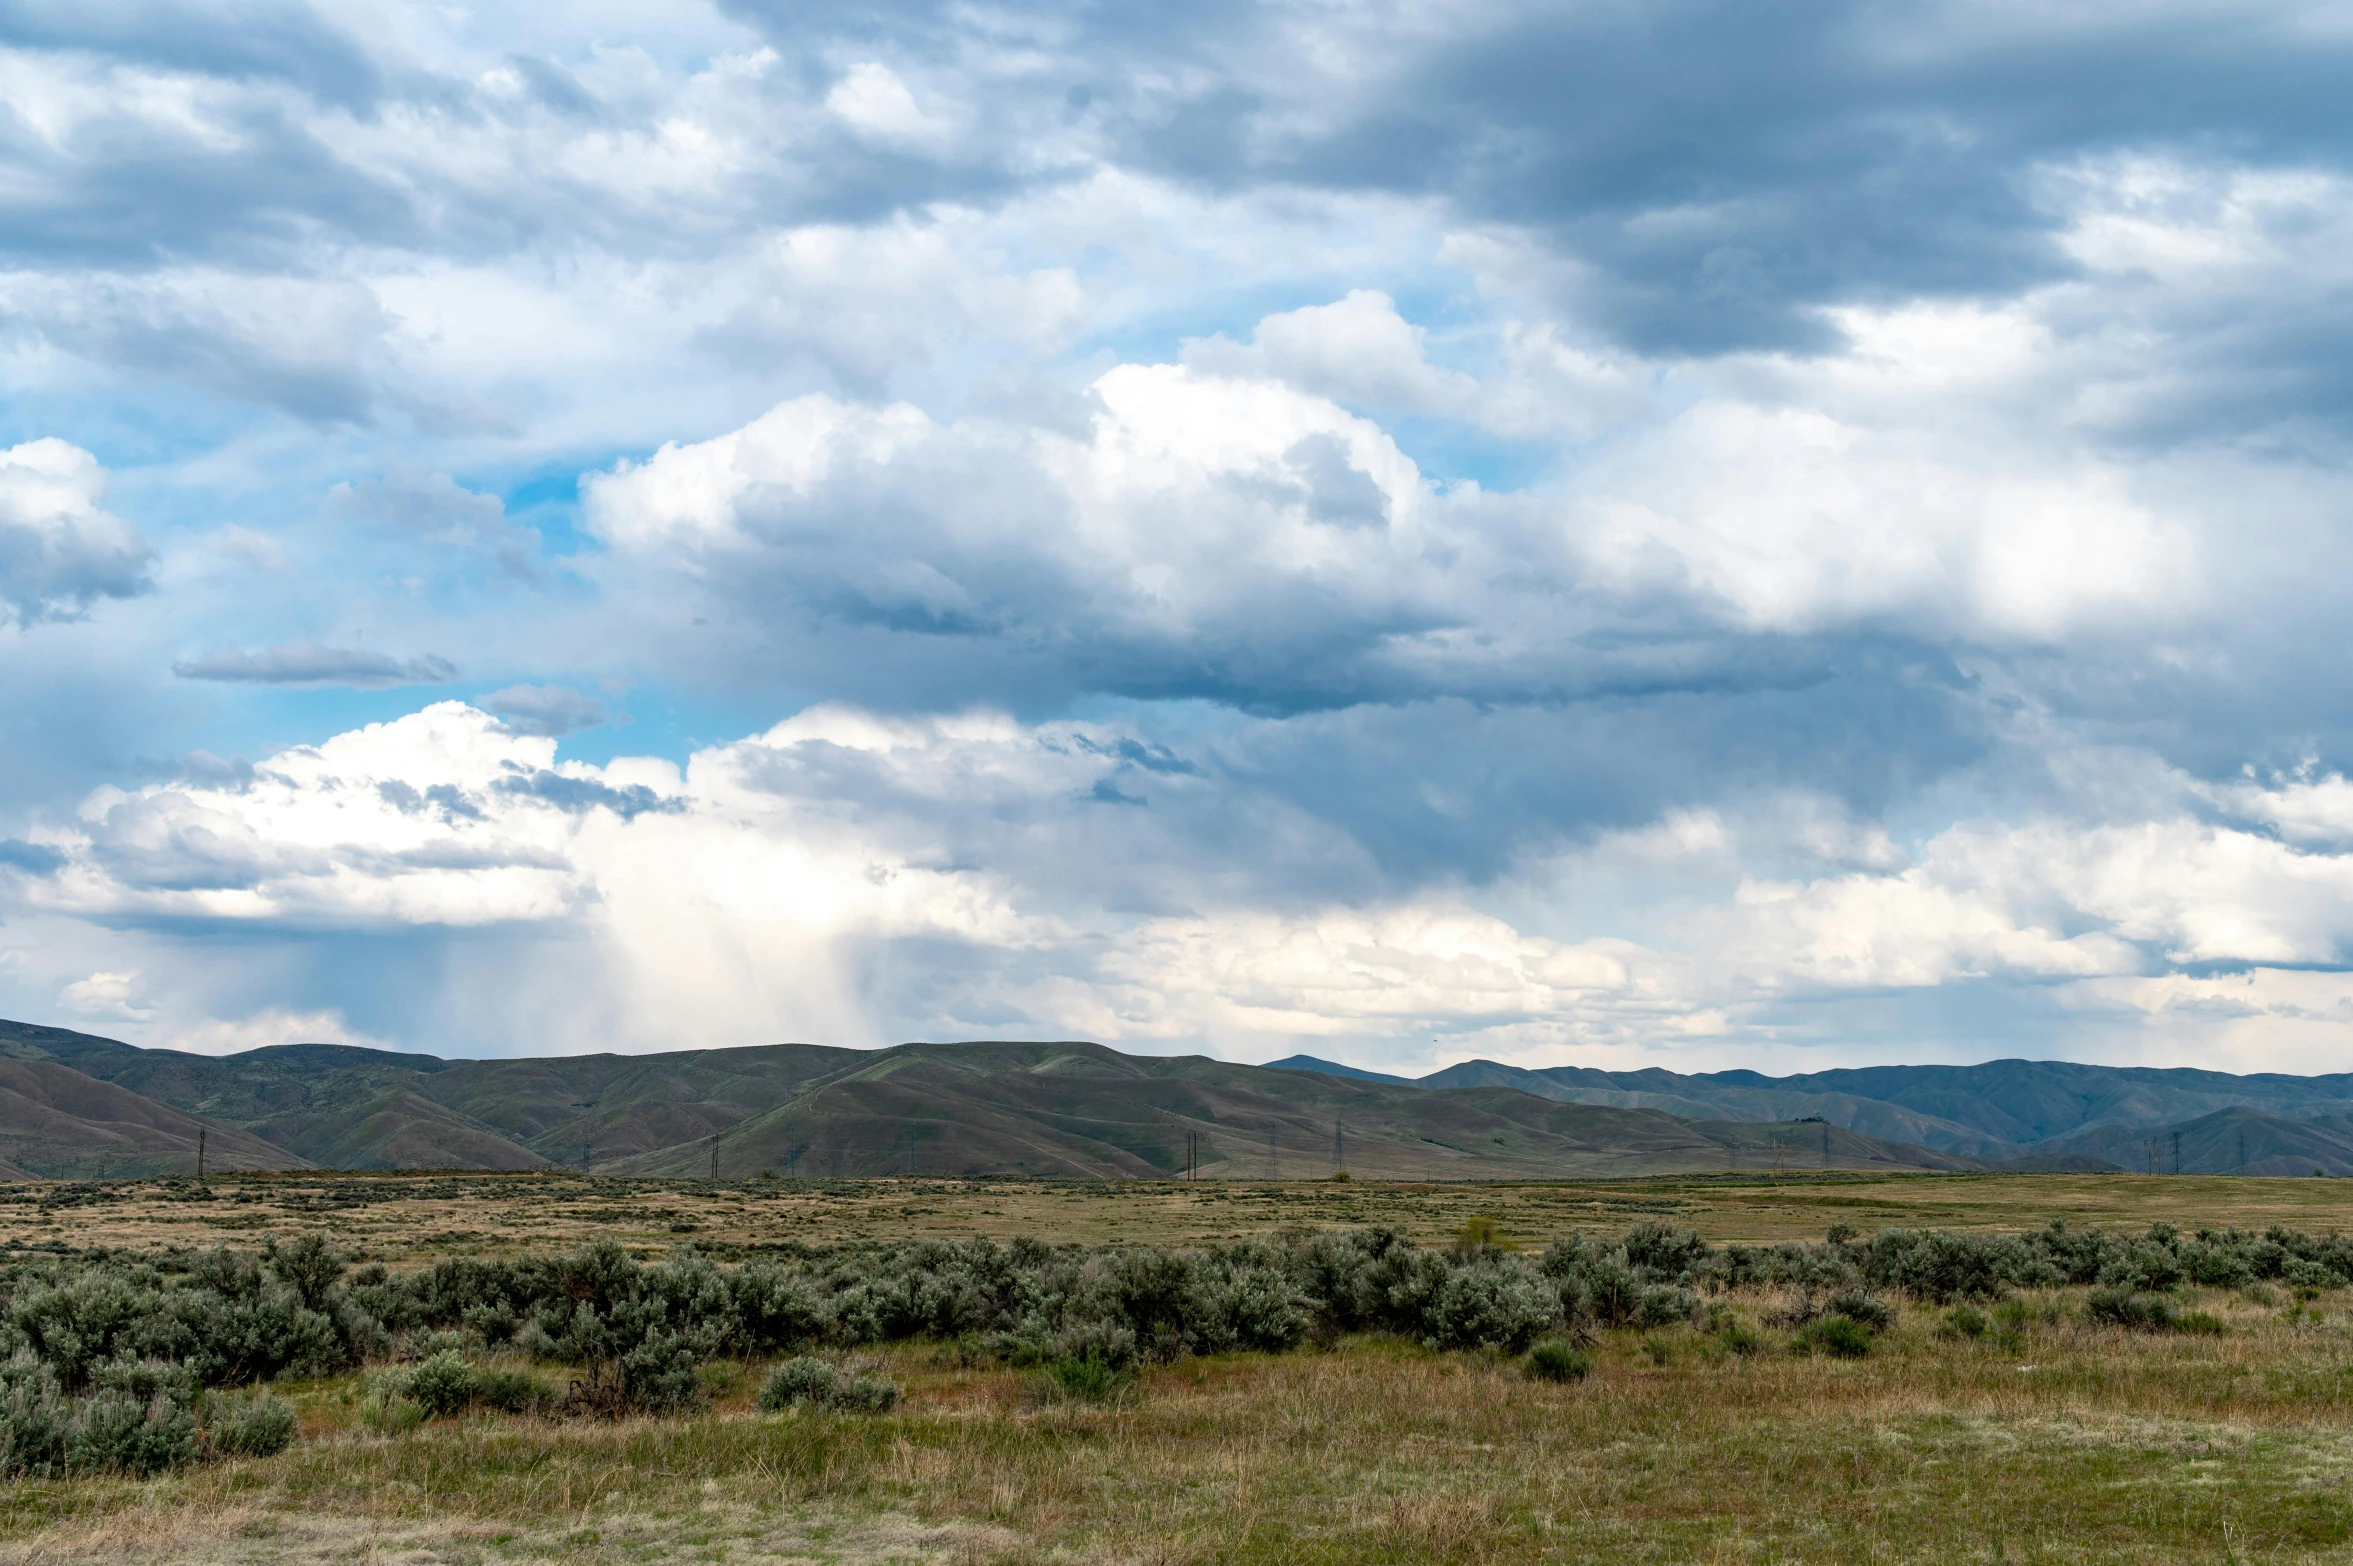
(60, 550)
(1217, 530)
(309, 663)
(113, 996)
(761, 889)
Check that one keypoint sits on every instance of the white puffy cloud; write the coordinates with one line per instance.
(847, 872)
(60, 549)
(114, 997)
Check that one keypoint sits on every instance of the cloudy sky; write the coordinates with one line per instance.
(1685, 534)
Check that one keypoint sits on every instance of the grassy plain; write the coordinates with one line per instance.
(2069, 1443)
(400, 1218)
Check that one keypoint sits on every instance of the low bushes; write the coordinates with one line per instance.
(141, 1418)
(113, 1360)
(446, 1383)
(1085, 1378)
(808, 1382)
(1556, 1360)
(1841, 1337)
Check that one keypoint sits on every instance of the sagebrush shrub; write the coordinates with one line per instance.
(1087, 1379)
(253, 1427)
(809, 1382)
(443, 1384)
(804, 1379)
(1841, 1337)
(2123, 1307)
(1964, 1321)
(1874, 1316)
(1557, 1360)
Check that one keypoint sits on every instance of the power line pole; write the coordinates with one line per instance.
(1825, 1144)
(200, 1155)
(1339, 1145)
(714, 1158)
(1274, 1156)
(2177, 1152)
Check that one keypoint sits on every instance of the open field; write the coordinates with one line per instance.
(408, 1218)
(2060, 1440)
(2079, 1445)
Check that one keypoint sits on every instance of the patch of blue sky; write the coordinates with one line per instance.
(1451, 452)
(672, 722)
(127, 423)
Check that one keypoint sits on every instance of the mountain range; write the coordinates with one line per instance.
(76, 1105)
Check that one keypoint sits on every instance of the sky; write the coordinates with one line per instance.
(1620, 534)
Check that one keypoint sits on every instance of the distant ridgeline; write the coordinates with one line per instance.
(75, 1106)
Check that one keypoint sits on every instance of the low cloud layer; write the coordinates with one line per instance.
(968, 870)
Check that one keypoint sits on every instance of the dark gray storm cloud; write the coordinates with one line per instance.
(1707, 173)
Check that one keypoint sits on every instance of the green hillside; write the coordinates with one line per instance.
(1048, 1109)
(1997, 1111)
(73, 1103)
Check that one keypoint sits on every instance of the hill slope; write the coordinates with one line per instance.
(2229, 1141)
(57, 1122)
(2001, 1110)
(76, 1103)
(1079, 1109)
(1068, 1109)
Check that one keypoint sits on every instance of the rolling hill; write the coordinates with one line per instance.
(1049, 1109)
(57, 1122)
(76, 1104)
(2229, 1141)
(2001, 1111)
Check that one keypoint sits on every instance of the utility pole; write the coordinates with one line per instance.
(714, 1158)
(2177, 1152)
(1339, 1145)
(584, 1155)
(1274, 1157)
(1825, 1144)
(200, 1155)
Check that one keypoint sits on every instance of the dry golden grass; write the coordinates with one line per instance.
(399, 1218)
